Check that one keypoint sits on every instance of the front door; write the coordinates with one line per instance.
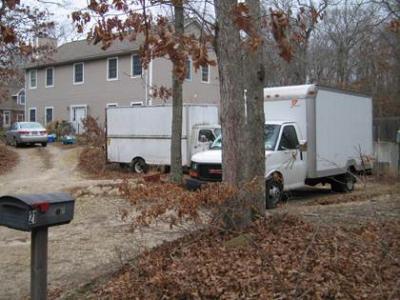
(78, 113)
(292, 161)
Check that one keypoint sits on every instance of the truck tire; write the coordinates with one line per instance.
(343, 183)
(273, 193)
(139, 166)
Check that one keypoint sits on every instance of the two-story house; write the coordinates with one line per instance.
(81, 79)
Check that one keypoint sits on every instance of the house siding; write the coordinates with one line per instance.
(97, 91)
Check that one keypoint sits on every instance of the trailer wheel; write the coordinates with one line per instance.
(273, 192)
(139, 166)
(343, 183)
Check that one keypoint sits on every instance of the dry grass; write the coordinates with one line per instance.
(8, 159)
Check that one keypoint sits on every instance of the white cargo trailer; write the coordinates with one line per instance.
(141, 135)
(313, 135)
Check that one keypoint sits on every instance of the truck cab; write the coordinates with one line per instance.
(202, 136)
(284, 154)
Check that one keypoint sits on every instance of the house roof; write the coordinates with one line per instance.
(84, 50)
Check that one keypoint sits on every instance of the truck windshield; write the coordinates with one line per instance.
(217, 144)
(271, 133)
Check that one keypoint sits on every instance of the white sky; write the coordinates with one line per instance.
(60, 11)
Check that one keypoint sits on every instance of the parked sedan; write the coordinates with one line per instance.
(26, 133)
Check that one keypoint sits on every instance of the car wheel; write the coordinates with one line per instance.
(273, 192)
(139, 166)
(44, 144)
(16, 144)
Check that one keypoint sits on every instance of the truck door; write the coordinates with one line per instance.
(203, 140)
(293, 164)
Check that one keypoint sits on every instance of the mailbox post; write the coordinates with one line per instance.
(36, 213)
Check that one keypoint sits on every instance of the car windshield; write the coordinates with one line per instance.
(271, 133)
(30, 125)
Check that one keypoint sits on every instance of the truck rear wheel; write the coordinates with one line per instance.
(343, 183)
(273, 193)
(139, 166)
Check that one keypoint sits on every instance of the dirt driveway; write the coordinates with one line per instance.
(95, 242)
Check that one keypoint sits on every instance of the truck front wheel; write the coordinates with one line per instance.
(139, 166)
(273, 192)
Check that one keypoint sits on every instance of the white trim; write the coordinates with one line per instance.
(191, 70)
(45, 77)
(112, 105)
(4, 118)
(108, 62)
(30, 79)
(135, 76)
(71, 109)
(201, 74)
(136, 103)
(19, 96)
(29, 110)
(45, 114)
(83, 73)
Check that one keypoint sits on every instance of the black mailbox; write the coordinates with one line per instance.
(26, 212)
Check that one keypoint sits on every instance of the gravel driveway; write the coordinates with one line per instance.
(97, 241)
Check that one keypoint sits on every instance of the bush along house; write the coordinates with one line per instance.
(80, 79)
(12, 105)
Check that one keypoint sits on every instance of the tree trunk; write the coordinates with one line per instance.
(176, 136)
(241, 162)
(254, 85)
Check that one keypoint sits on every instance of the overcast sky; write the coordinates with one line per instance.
(60, 11)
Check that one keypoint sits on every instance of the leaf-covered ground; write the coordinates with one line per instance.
(8, 159)
(281, 257)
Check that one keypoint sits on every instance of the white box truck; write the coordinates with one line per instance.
(312, 135)
(141, 135)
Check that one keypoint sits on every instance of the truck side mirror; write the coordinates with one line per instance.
(303, 145)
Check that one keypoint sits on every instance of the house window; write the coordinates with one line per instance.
(32, 114)
(205, 74)
(78, 73)
(32, 79)
(137, 103)
(112, 68)
(21, 97)
(49, 111)
(112, 105)
(49, 77)
(6, 118)
(20, 117)
(188, 69)
(136, 65)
